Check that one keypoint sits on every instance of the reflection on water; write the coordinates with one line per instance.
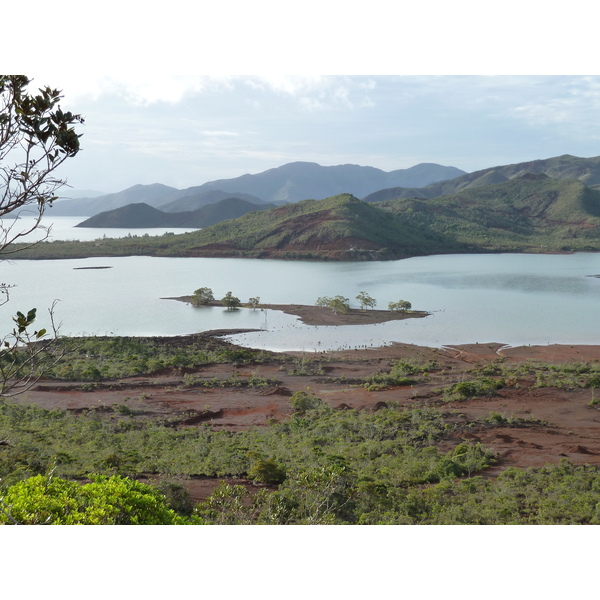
(510, 298)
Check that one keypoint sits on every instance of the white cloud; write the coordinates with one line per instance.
(564, 102)
(289, 84)
(139, 88)
(314, 92)
(218, 133)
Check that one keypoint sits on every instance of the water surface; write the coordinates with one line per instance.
(511, 298)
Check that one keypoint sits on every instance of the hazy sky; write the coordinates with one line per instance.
(195, 129)
(159, 108)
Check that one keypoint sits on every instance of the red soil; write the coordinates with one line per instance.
(570, 428)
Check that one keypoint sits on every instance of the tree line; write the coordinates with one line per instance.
(339, 304)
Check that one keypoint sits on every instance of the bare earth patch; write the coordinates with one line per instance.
(554, 422)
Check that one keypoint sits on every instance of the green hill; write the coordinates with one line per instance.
(340, 228)
(586, 170)
(523, 214)
(142, 215)
(337, 228)
(530, 213)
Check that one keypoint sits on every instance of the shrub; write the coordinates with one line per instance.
(484, 386)
(266, 471)
(304, 401)
(106, 501)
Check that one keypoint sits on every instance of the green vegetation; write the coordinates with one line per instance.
(202, 296)
(529, 213)
(47, 500)
(230, 301)
(234, 381)
(366, 301)
(483, 386)
(338, 304)
(316, 449)
(563, 376)
(100, 358)
(398, 375)
(327, 467)
(400, 306)
(395, 465)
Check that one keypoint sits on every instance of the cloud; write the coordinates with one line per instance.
(565, 103)
(310, 92)
(219, 133)
(140, 88)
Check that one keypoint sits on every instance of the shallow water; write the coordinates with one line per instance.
(511, 298)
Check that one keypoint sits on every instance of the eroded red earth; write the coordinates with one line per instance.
(555, 422)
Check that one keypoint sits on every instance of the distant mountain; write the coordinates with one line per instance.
(193, 200)
(224, 210)
(306, 180)
(288, 183)
(66, 193)
(586, 170)
(528, 213)
(152, 195)
(142, 215)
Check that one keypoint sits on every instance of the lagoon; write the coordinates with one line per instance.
(516, 299)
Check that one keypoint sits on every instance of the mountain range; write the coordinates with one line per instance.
(550, 205)
(586, 170)
(531, 212)
(288, 183)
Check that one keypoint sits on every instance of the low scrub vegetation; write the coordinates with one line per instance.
(395, 465)
(99, 358)
(319, 467)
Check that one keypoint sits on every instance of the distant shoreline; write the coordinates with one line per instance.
(317, 315)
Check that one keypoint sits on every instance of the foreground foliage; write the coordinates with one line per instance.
(45, 500)
(396, 465)
(321, 466)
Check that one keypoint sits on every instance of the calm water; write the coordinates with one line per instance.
(515, 299)
(511, 298)
(64, 228)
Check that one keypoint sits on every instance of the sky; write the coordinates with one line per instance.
(197, 129)
(183, 97)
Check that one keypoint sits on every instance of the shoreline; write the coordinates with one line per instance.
(469, 351)
(317, 315)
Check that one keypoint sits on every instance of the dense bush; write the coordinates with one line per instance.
(115, 500)
(483, 386)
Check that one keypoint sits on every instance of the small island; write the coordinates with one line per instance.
(322, 314)
(84, 268)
